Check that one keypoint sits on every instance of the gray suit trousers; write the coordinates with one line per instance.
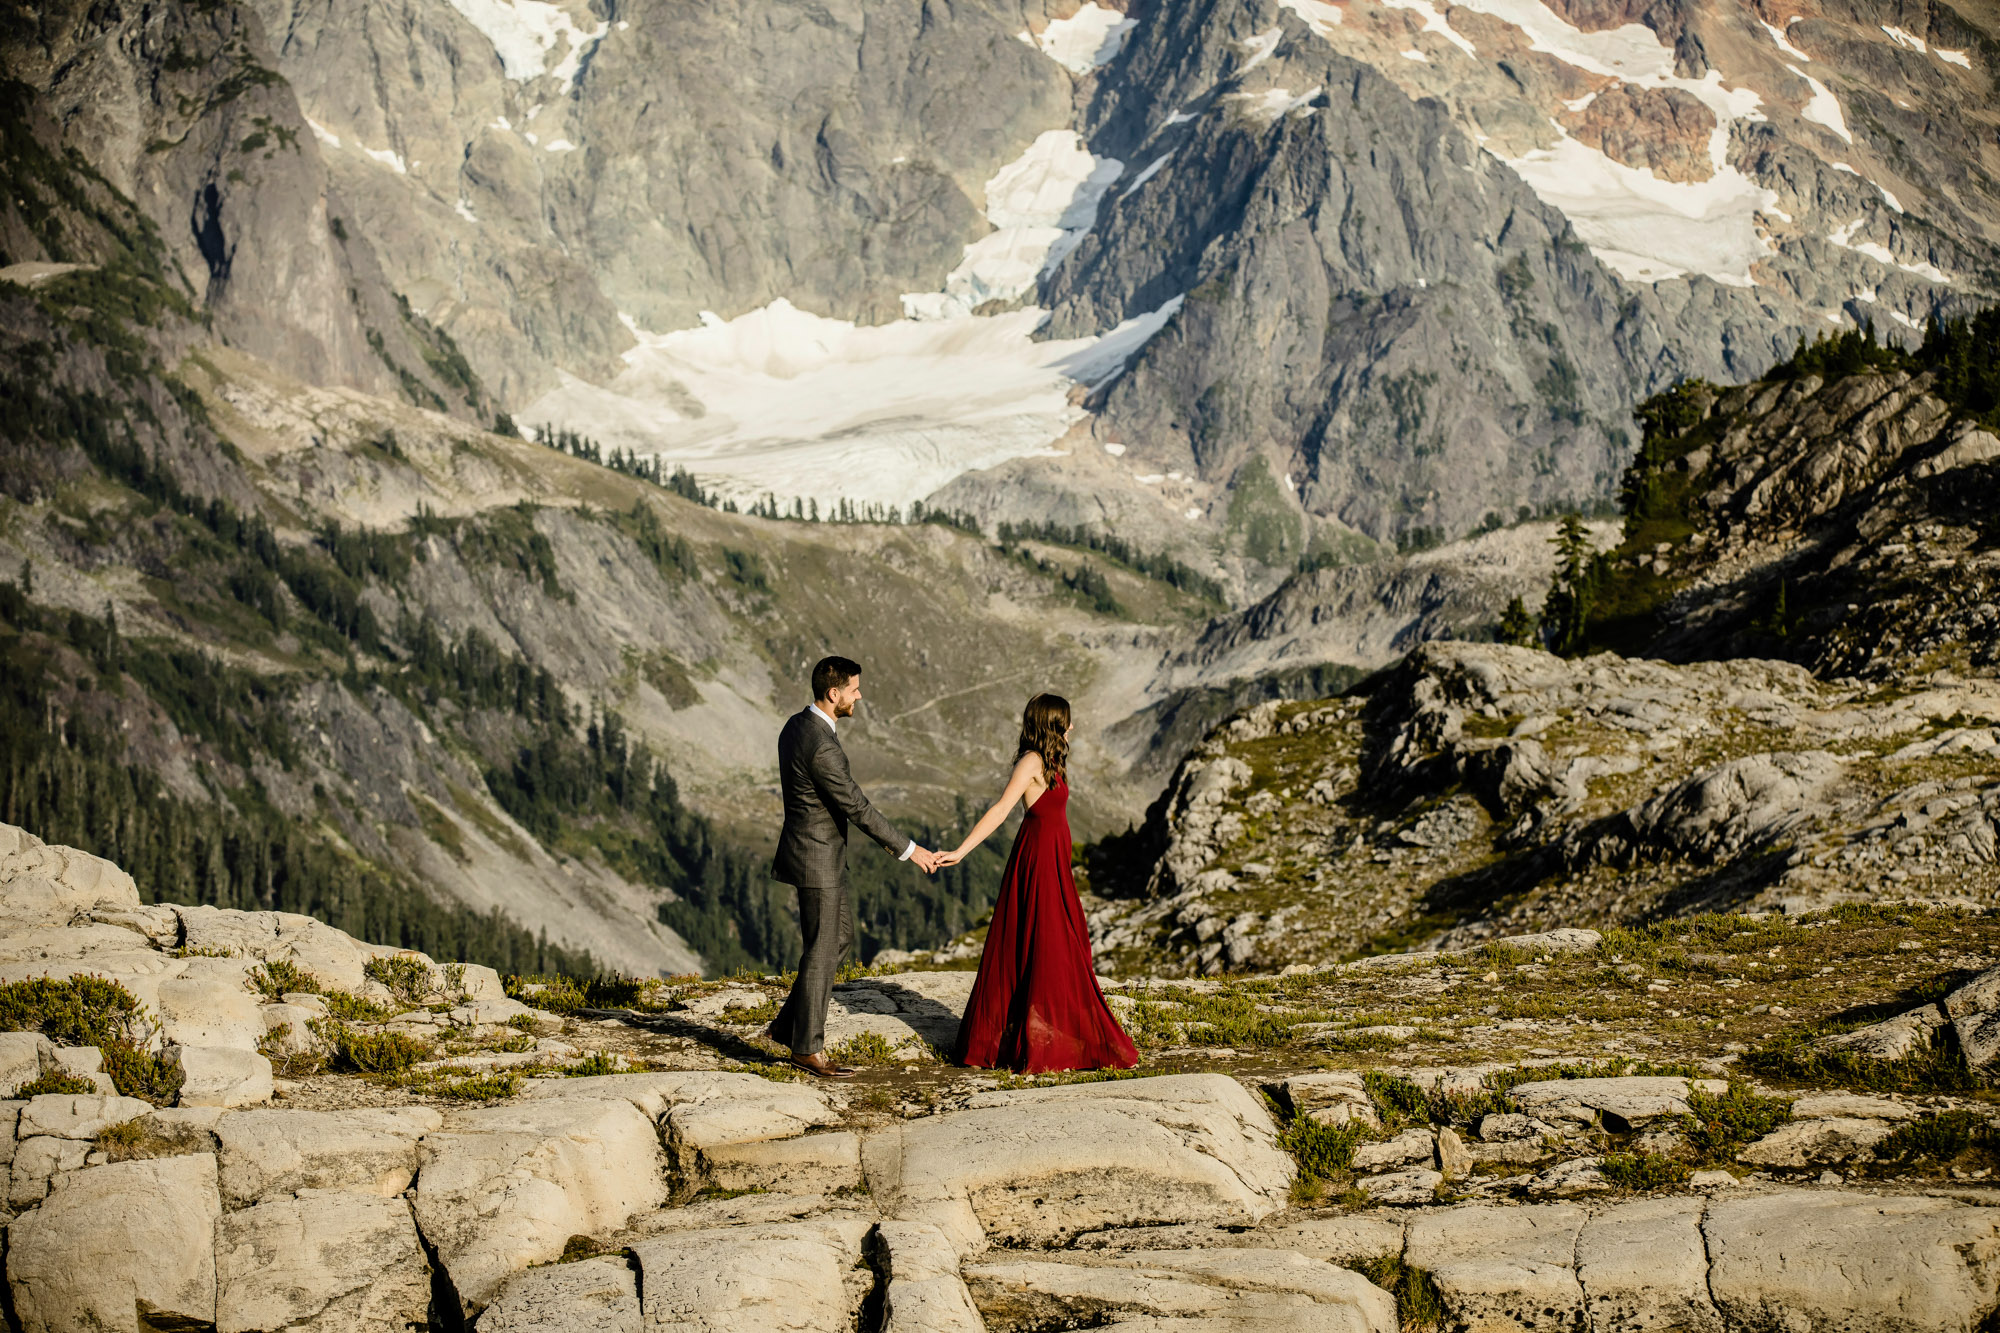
(826, 919)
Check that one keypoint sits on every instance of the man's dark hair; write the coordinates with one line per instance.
(830, 673)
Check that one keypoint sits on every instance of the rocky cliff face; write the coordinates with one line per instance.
(1479, 788)
(1424, 261)
(182, 111)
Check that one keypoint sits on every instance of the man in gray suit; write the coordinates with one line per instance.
(821, 800)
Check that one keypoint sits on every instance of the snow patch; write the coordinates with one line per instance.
(1888, 198)
(1151, 479)
(389, 158)
(464, 210)
(1177, 117)
(323, 134)
(885, 414)
(1414, 54)
(1904, 39)
(1435, 22)
(1192, 511)
(1881, 254)
(1273, 104)
(558, 146)
(1152, 170)
(526, 34)
(1256, 50)
(1087, 40)
(1041, 205)
(1642, 227)
(1784, 44)
(1115, 450)
(1959, 58)
(1648, 229)
(1903, 319)
(1824, 108)
(1318, 14)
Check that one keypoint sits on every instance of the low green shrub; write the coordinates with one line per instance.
(594, 1065)
(1323, 1152)
(59, 1081)
(408, 977)
(369, 1052)
(1937, 1067)
(1397, 1100)
(279, 977)
(74, 1011)
(1938, 1138)
(138, 1072)
(351, 1008)
(1723, 1123)
(1643, 1170)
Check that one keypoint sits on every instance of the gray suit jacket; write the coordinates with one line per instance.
(821, 800)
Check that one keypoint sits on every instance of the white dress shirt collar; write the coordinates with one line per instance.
(823, 716)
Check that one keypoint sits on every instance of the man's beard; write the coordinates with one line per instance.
(844, 710)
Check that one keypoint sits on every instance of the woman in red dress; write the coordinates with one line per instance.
(1036, 1006)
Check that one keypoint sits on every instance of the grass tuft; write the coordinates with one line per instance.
(863, 1048)
(1938, 1138)
(1419, 1303)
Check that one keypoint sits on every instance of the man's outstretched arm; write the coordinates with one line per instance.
(837, 788)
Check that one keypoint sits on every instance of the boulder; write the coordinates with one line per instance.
(1817, 1142)
(1502, 1268)
(23, 1056)
(1568, 939)
(221, 1075)
(207, 1004)
(1840, 1262)
(1038, 1166)
(324, 1260)
(1974, 1010)
(77, 1115)
(333, 956)
(288, 1028)
(1623, 1102)
(44, 887)
(1403, 1188)
(1850, 1105)
(1243, 1289)
(1333, 1098)
(591, 1296)
(925, 1293)
(1412, 1145)
(118, 1242)
(1566, 1180)
(813, 1164)
(1453, 1160)
(271, 1152)
(803, 1276)
(1891, 1039)
(702, 1110)
(37, 1163)
(503, 1187)
(912, 1011)
(1642, 1265)
(85, 1062)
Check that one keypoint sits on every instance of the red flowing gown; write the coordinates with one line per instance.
(1036, 1006)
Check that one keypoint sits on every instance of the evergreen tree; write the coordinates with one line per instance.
(1517, 626)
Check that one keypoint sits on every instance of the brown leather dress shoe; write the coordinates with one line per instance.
(819, 1066)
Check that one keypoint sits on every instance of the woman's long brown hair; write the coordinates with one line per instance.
(1043, 723)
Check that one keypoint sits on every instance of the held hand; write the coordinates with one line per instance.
(926, 861)
(949, 859)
